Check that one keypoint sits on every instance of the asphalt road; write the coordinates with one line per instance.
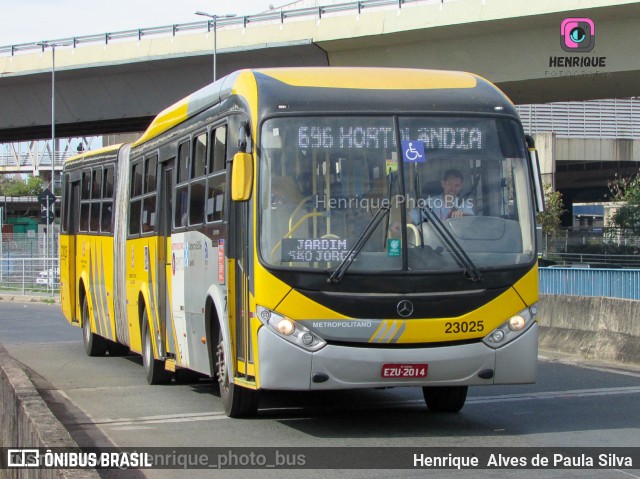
(106, 401)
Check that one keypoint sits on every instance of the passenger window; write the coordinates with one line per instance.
(199, 156)
(94, 220)
(134, 217)
(105, 222)
(96, 184)
(215, 198)
(196, 207)
(149, 214)
(84, 216)
(150, 169)
(219, 150)
(107, 191)
(180, 218)
(86, 185)
(183, 162)
(136, 180)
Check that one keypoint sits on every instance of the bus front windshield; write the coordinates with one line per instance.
(452, 186)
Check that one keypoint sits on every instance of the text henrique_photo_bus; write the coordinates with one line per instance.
(313, 229)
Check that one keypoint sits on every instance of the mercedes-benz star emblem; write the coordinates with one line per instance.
(405, 308)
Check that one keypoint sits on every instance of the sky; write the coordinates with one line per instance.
(26, 21)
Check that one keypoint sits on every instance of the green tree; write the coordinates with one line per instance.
(15, 186)
(549, 219)
(626, 191)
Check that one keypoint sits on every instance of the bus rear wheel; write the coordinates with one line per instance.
(94, 345)
(237, 401)
(154, 368)
(445, 398)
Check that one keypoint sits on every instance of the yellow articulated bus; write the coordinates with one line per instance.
(313, 229)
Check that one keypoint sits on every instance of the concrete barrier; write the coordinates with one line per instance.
(27, 421)
(593, 327)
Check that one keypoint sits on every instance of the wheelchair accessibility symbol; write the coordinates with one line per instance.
(413, 151)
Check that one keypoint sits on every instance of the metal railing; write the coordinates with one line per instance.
(594, 260)
(272, 16)
(29, 276)
(610, 283)
(41, 276)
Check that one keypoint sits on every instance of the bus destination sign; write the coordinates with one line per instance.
(309, 250)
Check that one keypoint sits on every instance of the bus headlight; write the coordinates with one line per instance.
(289, 330)
(285, 326)
(517, 322)
(511, 328)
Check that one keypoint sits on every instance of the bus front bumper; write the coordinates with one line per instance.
(284, 366)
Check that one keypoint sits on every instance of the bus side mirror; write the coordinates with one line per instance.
(241, 176)
(534, 167)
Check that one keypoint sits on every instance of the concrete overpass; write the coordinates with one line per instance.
(117, 82)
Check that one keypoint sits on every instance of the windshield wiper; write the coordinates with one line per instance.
(471, 271)
(361, 240)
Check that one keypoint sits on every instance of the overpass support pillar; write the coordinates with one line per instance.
(546, 146)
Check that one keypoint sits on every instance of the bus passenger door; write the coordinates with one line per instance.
(68, 288)
(165, 262)
(242, 275)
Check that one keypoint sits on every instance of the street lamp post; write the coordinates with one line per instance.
(215, 46)
(50, 209)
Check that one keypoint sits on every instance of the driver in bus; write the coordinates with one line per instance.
(447, 204)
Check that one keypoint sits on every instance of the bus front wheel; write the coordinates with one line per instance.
(94, 345)
(445, 398)
(237, 401)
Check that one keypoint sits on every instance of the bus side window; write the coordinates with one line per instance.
(182, 189)
(85, 198)
(96, 199)
(183, 162)
(149, 200)
(107, 203)
(215, 198)
(217, 177)
(196, 202)
(199, 156)
(135, 204)
(197, 188)
(219, 149)
(180, 218)
(107, 191)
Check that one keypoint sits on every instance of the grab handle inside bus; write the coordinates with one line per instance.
(241, 176)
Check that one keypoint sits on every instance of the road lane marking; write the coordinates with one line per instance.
(161, 419)
(570, 394)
